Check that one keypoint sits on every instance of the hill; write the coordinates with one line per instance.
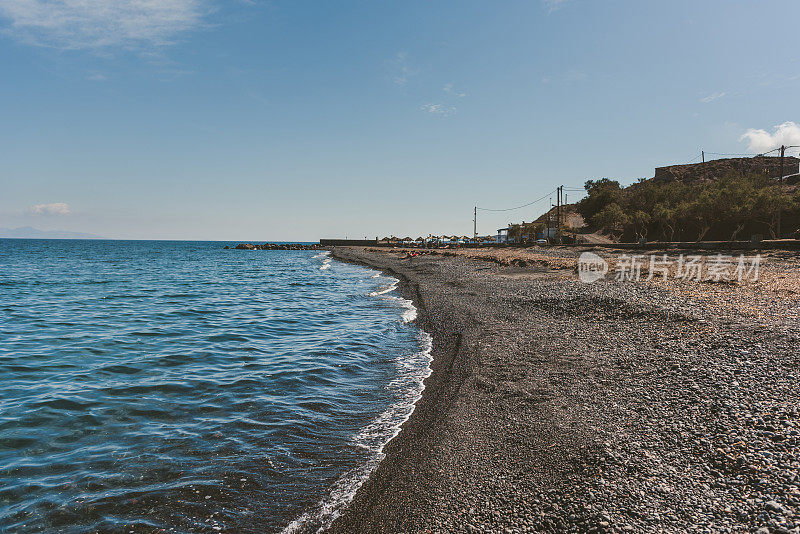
(761, 165)
(721, 199)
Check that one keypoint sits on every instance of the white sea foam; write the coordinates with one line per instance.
(326, 262)
(373, 437)
(388, 289)
(410, 380)
(410, 312)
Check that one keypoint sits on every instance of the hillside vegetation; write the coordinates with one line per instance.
(734, 206)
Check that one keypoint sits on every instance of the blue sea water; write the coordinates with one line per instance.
(179, 386)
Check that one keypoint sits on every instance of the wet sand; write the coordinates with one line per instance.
(557, 406)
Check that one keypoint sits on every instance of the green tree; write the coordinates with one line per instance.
(600, 193)
(770, 203)
(735, 202)
(640, 220)
(667, 218)
(702, 212)
(611, 217)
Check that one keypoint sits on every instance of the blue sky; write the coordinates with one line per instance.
(294, 120)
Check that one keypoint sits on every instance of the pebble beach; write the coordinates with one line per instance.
(616, 406)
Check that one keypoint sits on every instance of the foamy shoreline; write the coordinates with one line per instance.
(413, 370)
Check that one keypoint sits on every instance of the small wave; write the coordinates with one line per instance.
(374, 437)
(63, 403)
(410, 312)
(227, 337)
(326, 262)
(388, 289)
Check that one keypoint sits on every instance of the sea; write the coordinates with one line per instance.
(175, 386)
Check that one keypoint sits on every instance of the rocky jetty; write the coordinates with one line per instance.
(272, 246)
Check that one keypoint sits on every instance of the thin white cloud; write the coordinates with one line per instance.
(56, 208)
(712, 97)
(97, 78)
(448, 88)
(438, 109)
(94, 24)
(399, 69)
(760, 141)
(553, 5)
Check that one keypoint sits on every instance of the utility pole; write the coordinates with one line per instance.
(778, 224)
(783, 151)
(475, 223)
(558, 196)
(703, 155)
(560, 204)
(559, 210)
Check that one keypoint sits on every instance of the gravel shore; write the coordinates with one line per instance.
(616, 406)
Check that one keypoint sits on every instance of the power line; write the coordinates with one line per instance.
(697, 157)
(581, 189)
(750, 154)
(519, 207)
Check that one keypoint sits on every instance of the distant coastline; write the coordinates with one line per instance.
(29, 232)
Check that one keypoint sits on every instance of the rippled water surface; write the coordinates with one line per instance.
(176, 385)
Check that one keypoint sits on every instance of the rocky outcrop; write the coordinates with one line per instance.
(274, 246)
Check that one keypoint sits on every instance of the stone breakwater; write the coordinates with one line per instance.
(272, 246)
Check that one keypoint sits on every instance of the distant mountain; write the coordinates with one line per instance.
(28, 232)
